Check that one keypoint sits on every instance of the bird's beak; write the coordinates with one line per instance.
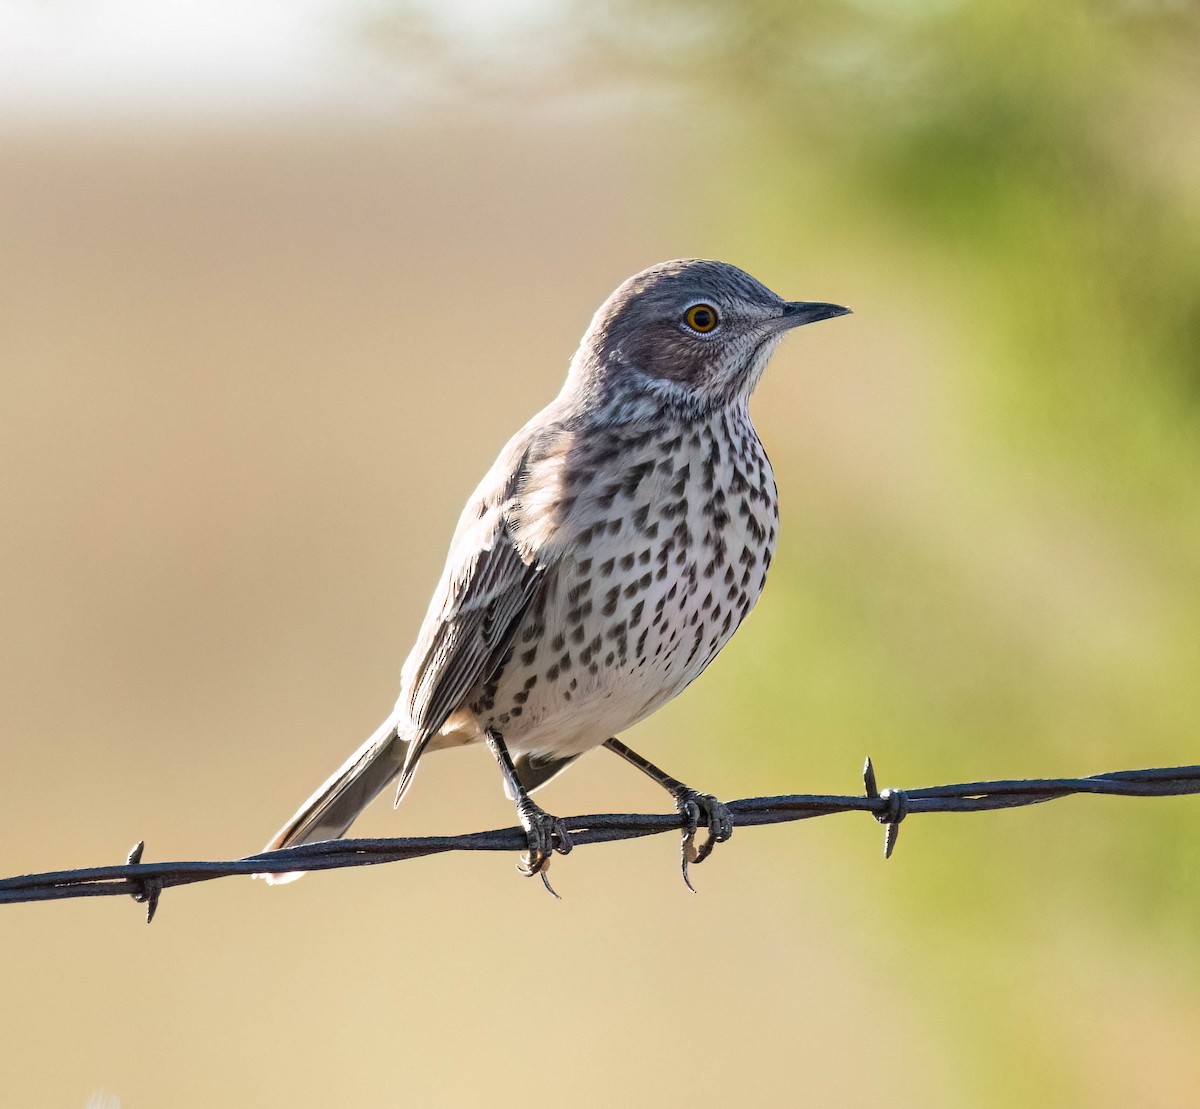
(796, 313)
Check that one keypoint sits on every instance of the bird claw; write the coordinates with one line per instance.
(544, 834)
(701, 809)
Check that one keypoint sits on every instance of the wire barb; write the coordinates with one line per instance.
(897, 810)
(149, 890)
(146, 881)
(892, 810)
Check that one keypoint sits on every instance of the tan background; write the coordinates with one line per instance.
(251, 370)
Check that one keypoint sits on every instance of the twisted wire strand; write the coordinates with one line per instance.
(145, 881)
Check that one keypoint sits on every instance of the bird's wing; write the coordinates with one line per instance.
(491, 578)
(481, 608)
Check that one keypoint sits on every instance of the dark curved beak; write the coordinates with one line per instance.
(799, 312)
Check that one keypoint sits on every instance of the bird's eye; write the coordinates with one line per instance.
(701, 318)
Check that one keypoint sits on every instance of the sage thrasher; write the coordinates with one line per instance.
(612, 550)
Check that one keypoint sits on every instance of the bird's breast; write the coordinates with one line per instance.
(664, 538)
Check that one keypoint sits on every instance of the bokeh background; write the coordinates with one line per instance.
(278, 280)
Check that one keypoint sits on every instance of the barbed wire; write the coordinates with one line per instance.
(144, 882)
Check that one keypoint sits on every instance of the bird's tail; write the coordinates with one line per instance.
(329, 812)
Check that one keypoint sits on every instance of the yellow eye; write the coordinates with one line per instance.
(702, 318)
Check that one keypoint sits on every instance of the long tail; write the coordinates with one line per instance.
(329, 812)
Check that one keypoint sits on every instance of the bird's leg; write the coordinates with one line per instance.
(545, 833)
(696, 808)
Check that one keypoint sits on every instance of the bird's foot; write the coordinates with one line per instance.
(544, 834)
(700, 810)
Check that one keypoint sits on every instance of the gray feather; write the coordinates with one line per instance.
(470, 640)
(329, 812)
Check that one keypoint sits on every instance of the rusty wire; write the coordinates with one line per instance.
(145, 881)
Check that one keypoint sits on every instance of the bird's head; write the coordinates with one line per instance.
(691, 333)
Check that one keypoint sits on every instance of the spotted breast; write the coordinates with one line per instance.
(670, 532)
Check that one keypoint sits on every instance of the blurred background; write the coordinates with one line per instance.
(278, 281)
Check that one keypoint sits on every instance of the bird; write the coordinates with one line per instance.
(613, 549)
